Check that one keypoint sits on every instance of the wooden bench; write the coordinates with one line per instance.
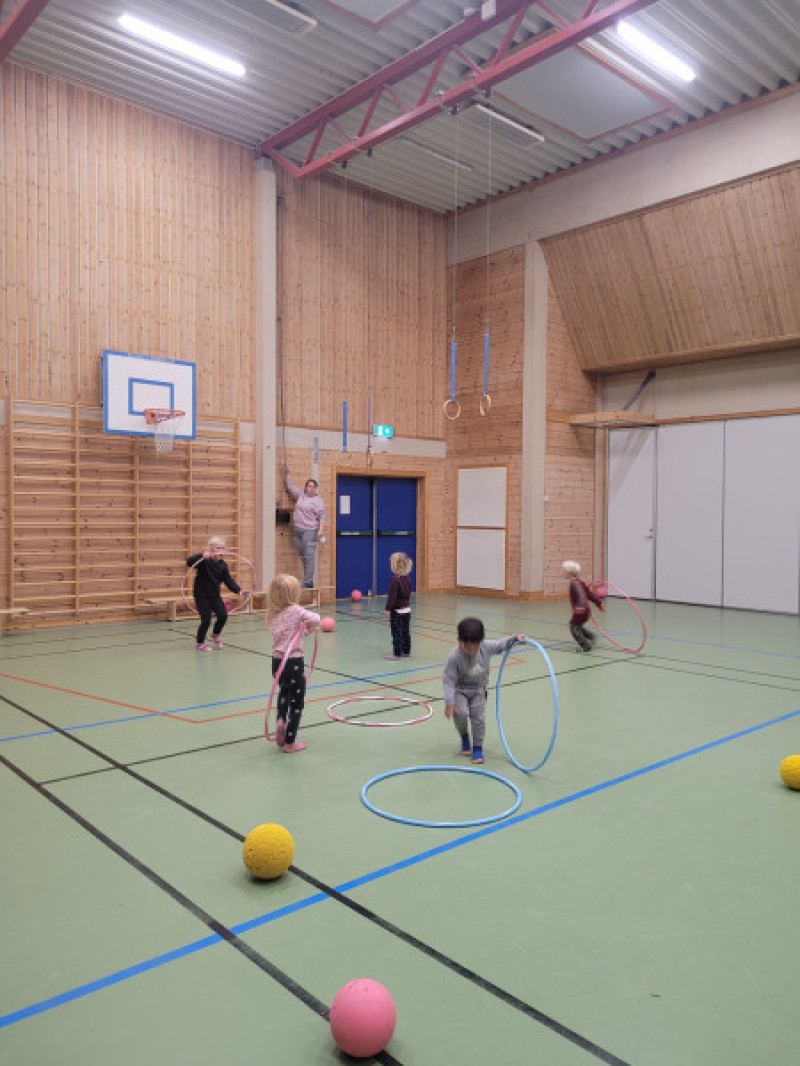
(7, 613)
(308, 598)
(169, 603)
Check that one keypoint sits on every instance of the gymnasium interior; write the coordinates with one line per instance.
(512, 292)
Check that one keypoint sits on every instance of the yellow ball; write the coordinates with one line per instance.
(790, 771)
(268, 851)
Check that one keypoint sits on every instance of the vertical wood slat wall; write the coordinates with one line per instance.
(362, 298)
(99, 524)
(713, 274)
(120, 229)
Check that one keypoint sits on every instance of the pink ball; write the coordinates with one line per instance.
(327, 625)
(362, 1018)
(355, 594)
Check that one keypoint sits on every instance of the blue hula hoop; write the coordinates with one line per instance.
(441, 825)
(546, 756)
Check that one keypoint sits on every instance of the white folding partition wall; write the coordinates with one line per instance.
(762, 514)
(707, 513)
(688, 525)
(631, 510)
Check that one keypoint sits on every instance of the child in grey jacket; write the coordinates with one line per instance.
(465, 676)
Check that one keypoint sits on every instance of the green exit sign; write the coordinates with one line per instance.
(383, 431)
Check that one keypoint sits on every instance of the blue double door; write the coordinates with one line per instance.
(375, 516)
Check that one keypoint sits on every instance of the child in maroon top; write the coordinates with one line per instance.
(398, 605)
(580, 596)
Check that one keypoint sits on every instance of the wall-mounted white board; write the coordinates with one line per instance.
(481, 560)
(482, 497)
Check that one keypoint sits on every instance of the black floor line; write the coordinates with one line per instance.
(208, 920)
(506, 997)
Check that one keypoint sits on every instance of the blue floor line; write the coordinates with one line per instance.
(89, 988)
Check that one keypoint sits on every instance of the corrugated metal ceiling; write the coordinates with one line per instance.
(741, 49)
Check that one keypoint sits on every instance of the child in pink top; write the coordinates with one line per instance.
(289, 623)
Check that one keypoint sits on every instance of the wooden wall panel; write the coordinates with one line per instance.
(715, 274)
(99, 524)
(362, 309)
(487, 293)
(120, 229)
(569, 457)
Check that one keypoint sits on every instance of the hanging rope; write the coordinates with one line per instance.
(368, 236)
(345, 303)
(452, 408)
(485, 404)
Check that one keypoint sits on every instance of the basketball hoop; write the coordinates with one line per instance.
(165, 422)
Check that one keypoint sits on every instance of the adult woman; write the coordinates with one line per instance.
(309, 523)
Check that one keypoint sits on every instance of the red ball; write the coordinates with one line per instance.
(362, 1018)
(327, 625)
(355, 594)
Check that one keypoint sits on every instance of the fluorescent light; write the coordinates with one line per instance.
(173, 43)
(658, 56)
(507, 120)
(438, 155)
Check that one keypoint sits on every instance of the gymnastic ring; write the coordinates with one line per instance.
(441, 825)
(594, 585)
(554, 733)
(446, 409)
(381, 699)
(485, 404)
(245, 593)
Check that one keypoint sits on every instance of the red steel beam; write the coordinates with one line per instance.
(16, 23)
(498, 69)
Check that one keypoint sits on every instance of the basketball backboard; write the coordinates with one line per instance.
(133, 384)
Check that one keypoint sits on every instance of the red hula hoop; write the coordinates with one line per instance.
(594, 585)
(298, 638)
(245, 594)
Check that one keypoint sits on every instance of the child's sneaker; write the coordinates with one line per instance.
(392, 658)
(477, 754)
(298, 745)
(466, 747)
(218, 642)
(201, 647)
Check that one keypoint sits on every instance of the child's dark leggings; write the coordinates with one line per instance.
(207, 607)
(400, 626)
(291, 694)
(582, 636)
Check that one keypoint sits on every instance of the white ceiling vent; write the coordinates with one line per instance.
(280, 16)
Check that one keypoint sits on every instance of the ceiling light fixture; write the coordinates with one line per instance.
(173, 43)
(441, 156)
(660, 57)
(513, 123)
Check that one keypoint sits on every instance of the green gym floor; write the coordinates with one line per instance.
(640, 905)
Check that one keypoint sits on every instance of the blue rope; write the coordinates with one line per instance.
(441, 825)
(344, 425)
(453, 349)
(546, 756)
(486, 363)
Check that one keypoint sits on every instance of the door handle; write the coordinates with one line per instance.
(649, 535)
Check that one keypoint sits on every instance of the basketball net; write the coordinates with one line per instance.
(165, 425)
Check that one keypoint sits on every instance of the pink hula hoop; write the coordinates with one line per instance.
(297, 638)
(245, 594)
(382, 699)
(594, 585)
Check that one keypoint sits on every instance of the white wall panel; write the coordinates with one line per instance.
(688, 542)
(631, 503)
(762, 514)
